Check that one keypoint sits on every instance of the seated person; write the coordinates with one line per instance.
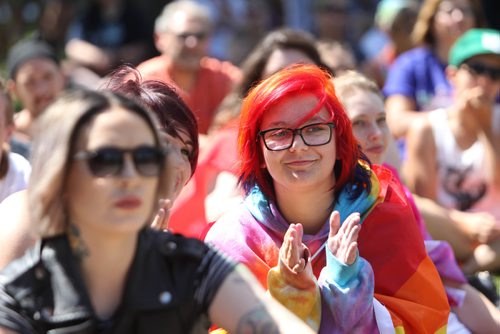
(454, 155)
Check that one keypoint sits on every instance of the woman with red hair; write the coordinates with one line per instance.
(304, 174)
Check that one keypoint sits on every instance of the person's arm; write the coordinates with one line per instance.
(4, 330)
(445, 224)
(489, 135)
(477, 312)
(89, 55)
(347, 281)
(242, 306)
(401, 114)
(16, 234)
(420, 166)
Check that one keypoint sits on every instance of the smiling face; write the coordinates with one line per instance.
(111, 204)
(366, 112)
(301, 167)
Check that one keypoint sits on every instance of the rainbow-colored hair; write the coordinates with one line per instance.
(292, 81)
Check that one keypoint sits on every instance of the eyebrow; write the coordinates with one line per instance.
(312, 120)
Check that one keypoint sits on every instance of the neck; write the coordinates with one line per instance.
(312, 209)
(105, 264)
(442, 49)
(185, 78)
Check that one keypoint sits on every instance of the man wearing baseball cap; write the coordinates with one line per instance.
(35, 78)
(454, 155)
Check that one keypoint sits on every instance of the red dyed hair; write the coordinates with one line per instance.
(292, 81)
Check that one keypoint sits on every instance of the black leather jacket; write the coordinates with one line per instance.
(171, 283)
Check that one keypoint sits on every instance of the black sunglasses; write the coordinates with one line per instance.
(478, 68)
(109, 161)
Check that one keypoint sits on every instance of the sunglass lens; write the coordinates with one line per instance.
(106, 162)
(147, 160)
(481, 69)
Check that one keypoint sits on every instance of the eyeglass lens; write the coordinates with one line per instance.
(282, 138)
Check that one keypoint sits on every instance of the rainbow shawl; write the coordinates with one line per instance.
(393, 287)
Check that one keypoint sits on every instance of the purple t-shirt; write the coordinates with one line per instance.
(420, 75)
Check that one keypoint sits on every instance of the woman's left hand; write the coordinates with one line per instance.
(343, 240)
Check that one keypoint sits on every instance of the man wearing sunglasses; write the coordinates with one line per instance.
(454, 155)
(182, 36)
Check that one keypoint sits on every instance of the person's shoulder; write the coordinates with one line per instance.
(153, 65)
(23, 121)
(391, 189)
(19, 162)
(173, 244)
(421, 131)
(22, 272)
(231, 223)
(221, 67)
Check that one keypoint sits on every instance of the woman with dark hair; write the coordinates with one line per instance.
(98, 267)
(177, 123)
(303, 174)
(278, 49)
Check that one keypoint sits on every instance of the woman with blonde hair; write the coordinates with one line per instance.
(365, 108)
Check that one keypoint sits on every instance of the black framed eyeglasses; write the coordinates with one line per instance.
(478, 68)
(279, 139)
(109, 161)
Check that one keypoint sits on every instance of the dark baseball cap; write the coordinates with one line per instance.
(26, 50)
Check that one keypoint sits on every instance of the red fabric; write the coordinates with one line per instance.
(188, 213)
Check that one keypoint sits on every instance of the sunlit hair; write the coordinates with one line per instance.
(57, 131)
(423, 33)
(350, 82)
(299, 80)
(194, 9)
(173, 114)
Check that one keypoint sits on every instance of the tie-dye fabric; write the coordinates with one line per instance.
(392, 270)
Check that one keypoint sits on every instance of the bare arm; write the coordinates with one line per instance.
(242, 306)
(4, 330)
(16, 234)
(401, 113)
(477, 312)
(420, 167)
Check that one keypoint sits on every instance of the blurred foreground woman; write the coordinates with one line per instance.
(98, 268)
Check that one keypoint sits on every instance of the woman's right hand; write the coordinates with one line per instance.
(295, 263)
(343, 240)
(160, 222)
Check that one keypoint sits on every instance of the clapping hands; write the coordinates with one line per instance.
(295, 258)
(343, 240)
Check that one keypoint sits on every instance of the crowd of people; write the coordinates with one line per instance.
(346, 161)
